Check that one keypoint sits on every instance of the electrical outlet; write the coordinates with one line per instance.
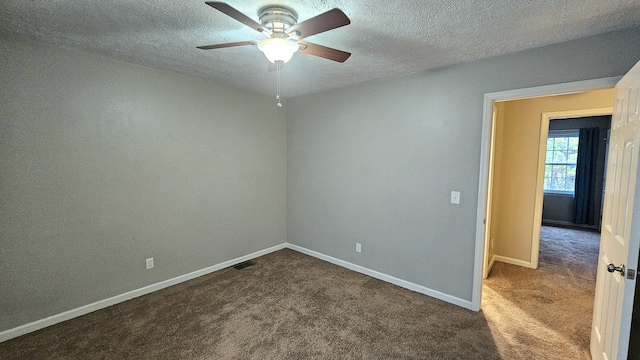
(492, 243)
(358, 248)
(149, 263)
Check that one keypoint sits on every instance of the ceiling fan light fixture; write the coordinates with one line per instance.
(278, 49)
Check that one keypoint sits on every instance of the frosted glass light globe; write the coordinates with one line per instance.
(278, 49)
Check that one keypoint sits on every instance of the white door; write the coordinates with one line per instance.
(620, 238)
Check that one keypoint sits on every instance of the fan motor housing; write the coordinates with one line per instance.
(277, 18)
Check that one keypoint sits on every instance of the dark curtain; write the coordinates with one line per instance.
(584, 206)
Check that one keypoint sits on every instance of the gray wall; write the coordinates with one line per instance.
(106, 163)
(558, 208)
(375, 163)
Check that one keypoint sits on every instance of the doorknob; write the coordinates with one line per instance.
(611, 268)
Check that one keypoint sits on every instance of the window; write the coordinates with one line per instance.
(560, 166)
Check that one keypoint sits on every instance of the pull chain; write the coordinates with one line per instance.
(278, 67)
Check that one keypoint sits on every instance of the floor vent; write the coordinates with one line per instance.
(243, 265)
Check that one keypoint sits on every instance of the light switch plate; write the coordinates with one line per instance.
(455, 197)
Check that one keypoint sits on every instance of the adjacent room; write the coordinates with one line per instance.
(543, 272)
(168, 192)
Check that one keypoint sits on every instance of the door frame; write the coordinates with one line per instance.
(482, 222)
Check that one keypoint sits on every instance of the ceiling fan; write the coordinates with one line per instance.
(284, 33)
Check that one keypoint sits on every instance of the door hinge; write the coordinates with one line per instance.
(631, 274)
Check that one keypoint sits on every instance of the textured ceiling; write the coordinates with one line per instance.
(386, 37)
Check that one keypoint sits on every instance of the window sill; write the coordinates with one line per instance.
(559, 193)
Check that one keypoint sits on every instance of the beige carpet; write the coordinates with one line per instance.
(291, 306)
(545, 313)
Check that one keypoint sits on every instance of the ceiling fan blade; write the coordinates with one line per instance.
(324, 22)
(323, 51)
(220, 46)
(232, 12)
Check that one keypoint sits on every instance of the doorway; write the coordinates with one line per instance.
(487, 146)
(570, 200)
(519, 129)
(515, 203)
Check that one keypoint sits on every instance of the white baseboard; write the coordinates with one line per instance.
(512, 261)
(384, 277)
(73, 313)
(67, 315)
(489, 267)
